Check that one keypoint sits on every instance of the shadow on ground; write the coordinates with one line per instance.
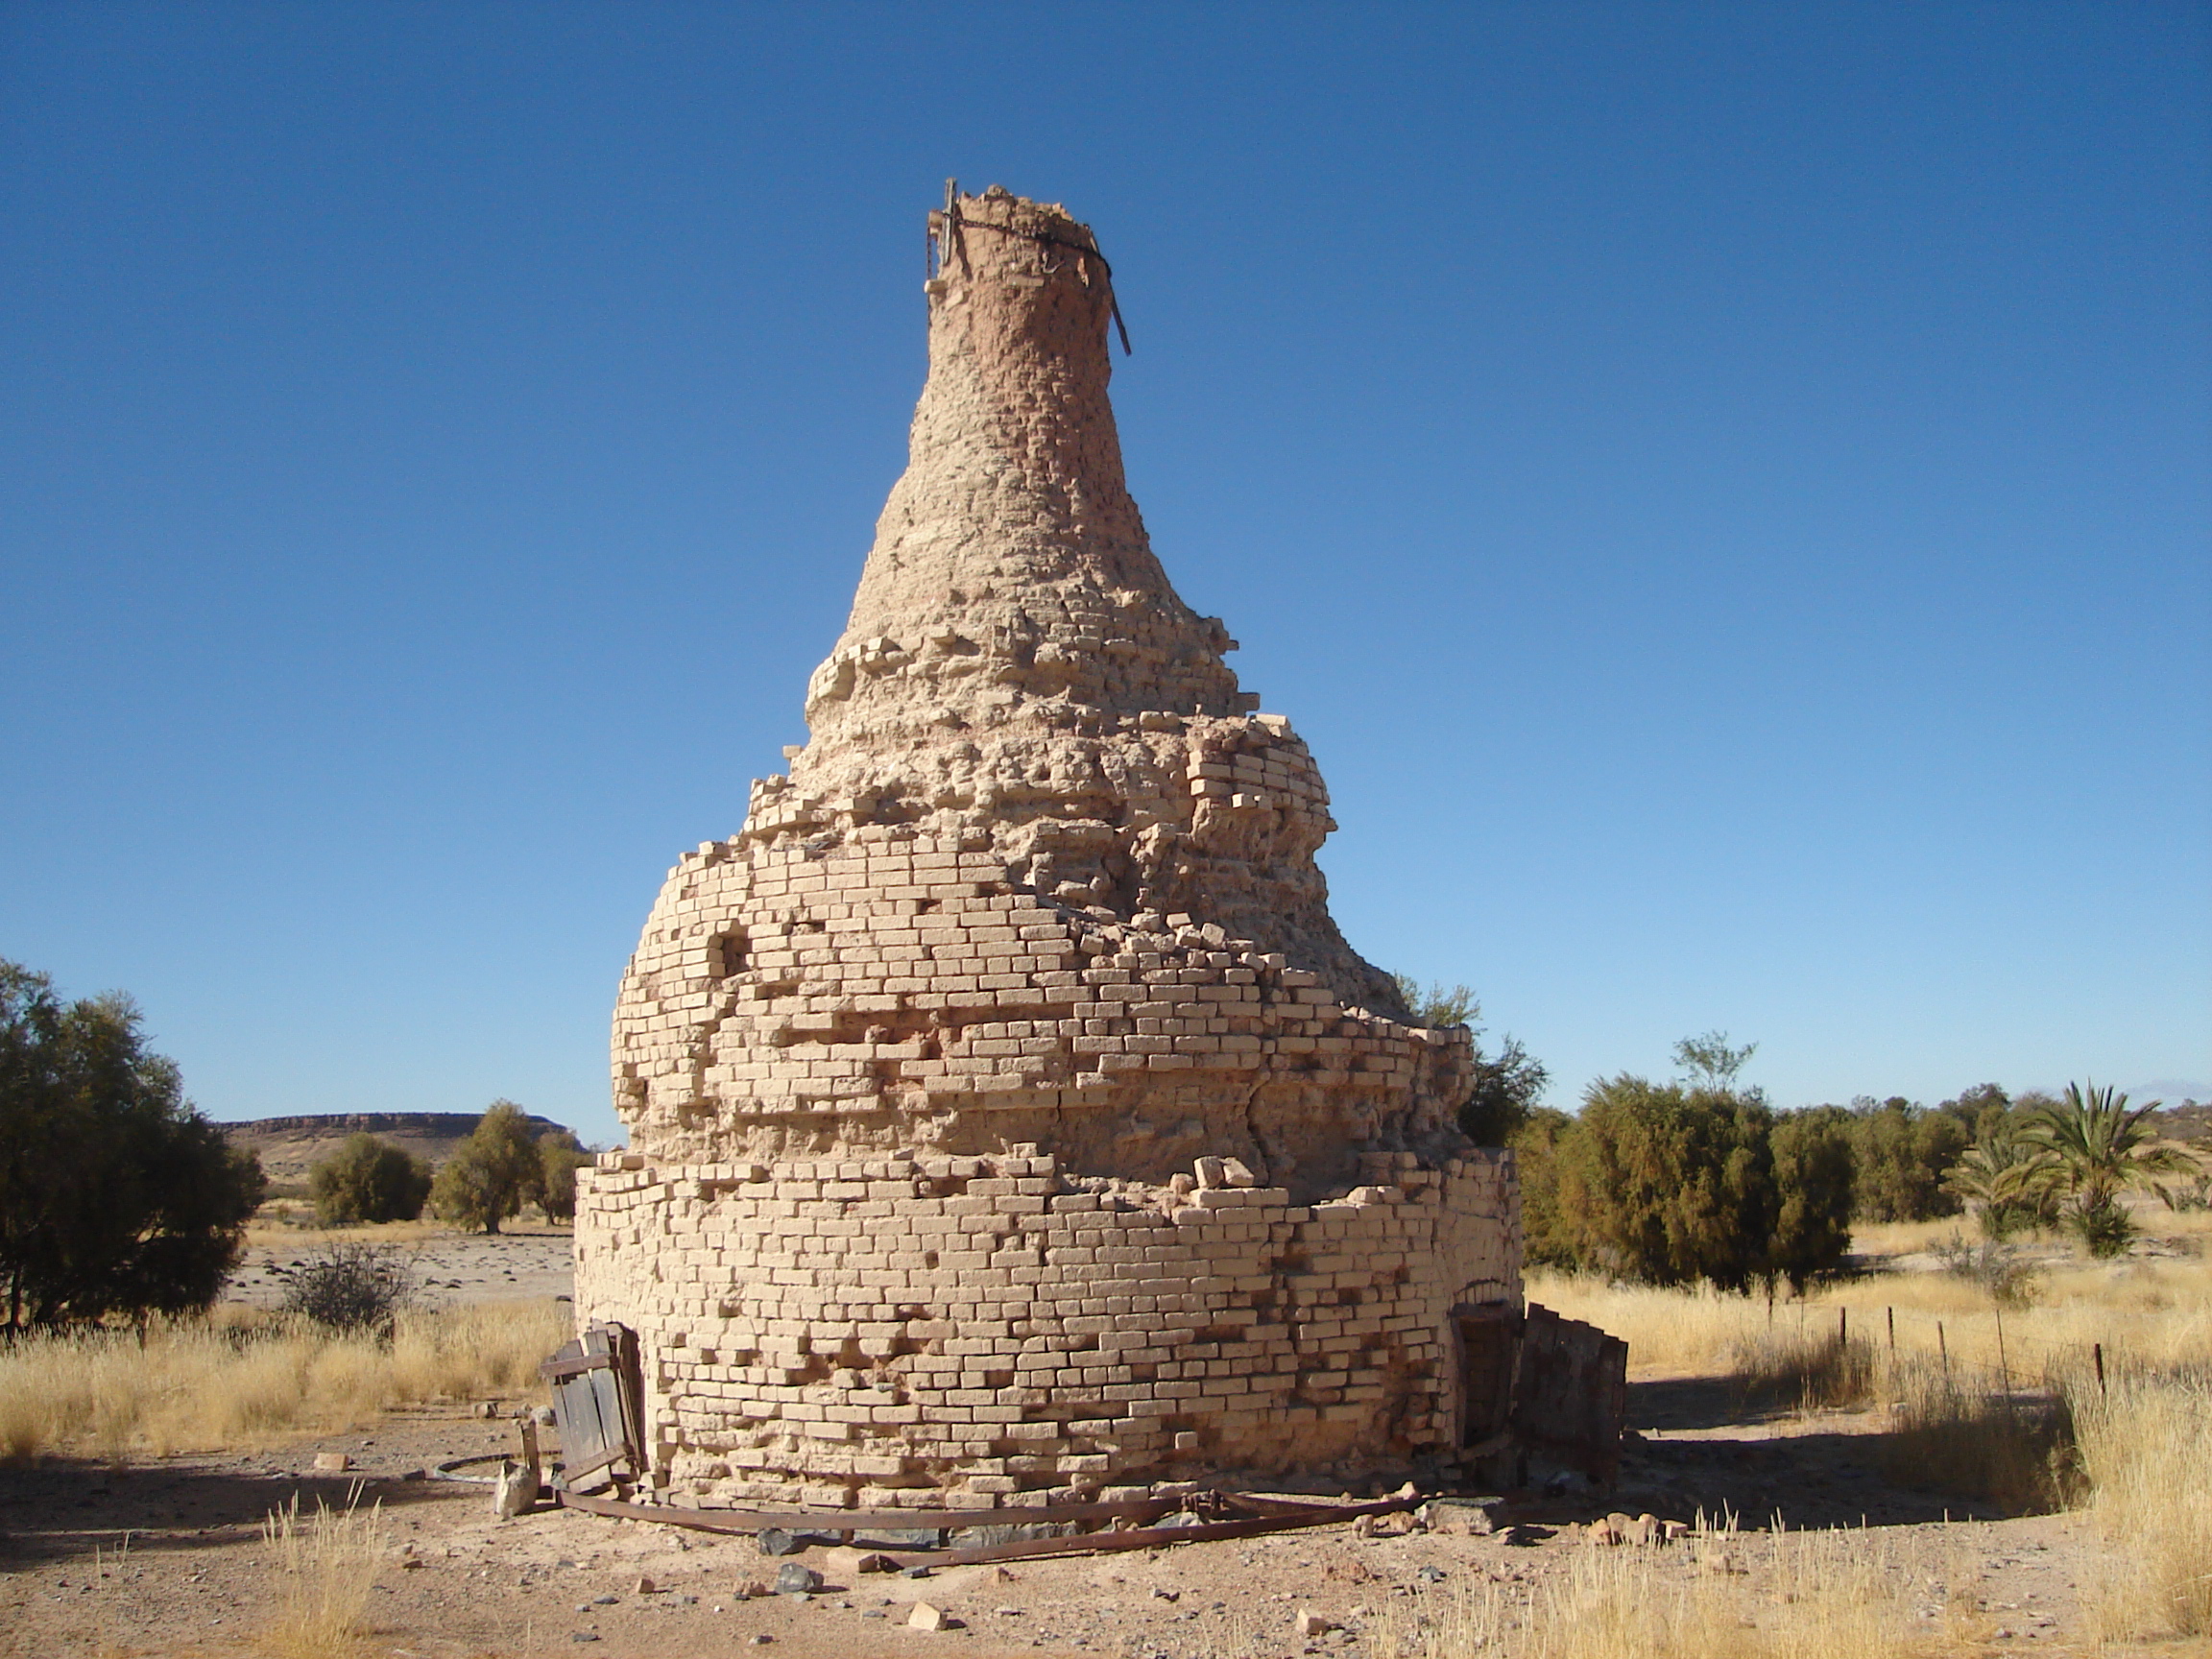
(1702, 1449)
(61, 1509)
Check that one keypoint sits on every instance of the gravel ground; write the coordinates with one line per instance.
(453, 1267)
(167, 1558)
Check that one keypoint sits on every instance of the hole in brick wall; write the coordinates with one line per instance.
(1348, 1297)
(727, 956)
(928, 1257)
(1221, 1334)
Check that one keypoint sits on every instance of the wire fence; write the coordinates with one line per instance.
(1958, 1349)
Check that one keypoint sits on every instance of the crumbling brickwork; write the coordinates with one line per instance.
(1008, 1117)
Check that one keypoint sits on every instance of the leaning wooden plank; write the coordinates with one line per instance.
(558, 1366)
(595, 1463)
(583, 1433)
(606, 1391)
(563, 1357)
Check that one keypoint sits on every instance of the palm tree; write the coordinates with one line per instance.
(2001, 1178)
(2092, 1148)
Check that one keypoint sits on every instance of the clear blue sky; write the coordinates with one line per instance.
(1723, 491)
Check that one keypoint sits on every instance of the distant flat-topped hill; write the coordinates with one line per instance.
(291, 1146)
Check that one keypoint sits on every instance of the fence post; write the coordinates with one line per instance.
(2097, 1353)
(1943, 1348)
(1842, 1326)
(2003, 1365)
(1891, 1314)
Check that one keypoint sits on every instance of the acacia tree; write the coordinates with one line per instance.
(1711, 1062)
(492, 1174)
(116, 1196)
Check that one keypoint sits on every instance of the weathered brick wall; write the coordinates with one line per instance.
(918, 1330)
(894, 988)
(1040, 879)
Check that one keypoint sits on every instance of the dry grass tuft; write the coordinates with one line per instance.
(2146, 1453)
(247, 1379)
(325, 1568)
(1830, 1595)
(1806, 1370)
(283, 1224)
(2015, 1452)
(2156, 1308)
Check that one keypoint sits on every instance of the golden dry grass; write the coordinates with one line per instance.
(2155, 1311)
(325, 1571)
(1807, 1367)
(1771, 1596)
(2146, 1453)
(2014, 1450)
(245, 1378)
(1997, 1403)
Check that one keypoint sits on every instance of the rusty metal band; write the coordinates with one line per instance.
(1280, 1516)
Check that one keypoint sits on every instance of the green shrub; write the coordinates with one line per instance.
(1667, 1184)
(350, 1288)
(559, 1158)
(1902, 1152)
(1672, 1183)
(368, 1180)
(1815, 1177)
(1547, 1238)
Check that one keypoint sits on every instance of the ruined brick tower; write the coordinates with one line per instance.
(1009, 1122)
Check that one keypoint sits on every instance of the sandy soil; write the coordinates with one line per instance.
(523, 1262)
(168, 1557)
